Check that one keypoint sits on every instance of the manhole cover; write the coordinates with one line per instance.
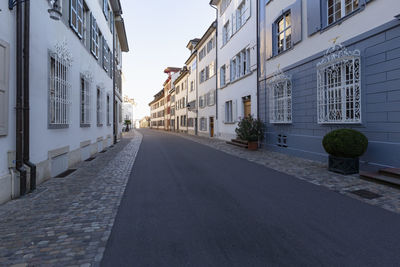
(66, 173)
(365, 194)
(90, 159)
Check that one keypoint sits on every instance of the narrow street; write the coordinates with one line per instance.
(187, 204)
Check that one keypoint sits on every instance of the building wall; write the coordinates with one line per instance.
(192, 95)
(379, 44)
(55, 150)
(181, 111)
(244, 38)
(205, 87)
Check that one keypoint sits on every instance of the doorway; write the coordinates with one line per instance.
(247, 106)
(211, 126)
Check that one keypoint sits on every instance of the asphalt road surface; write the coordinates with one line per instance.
(187, 204)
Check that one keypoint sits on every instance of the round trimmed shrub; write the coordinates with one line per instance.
(345, 143)
(250, 129)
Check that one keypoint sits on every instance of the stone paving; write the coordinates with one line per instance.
(67, 221)
(310, 171)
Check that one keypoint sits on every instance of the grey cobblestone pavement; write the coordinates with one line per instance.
(310, 171)
(67, 221)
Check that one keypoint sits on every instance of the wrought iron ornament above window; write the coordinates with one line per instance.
(339, 86)
(280, 98)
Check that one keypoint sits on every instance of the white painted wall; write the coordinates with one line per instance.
(368, 19)
(246, 37)
(192, 95)
(178, 96)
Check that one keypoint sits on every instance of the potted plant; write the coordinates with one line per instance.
(250, 130)
(127, 123)
(344, 147)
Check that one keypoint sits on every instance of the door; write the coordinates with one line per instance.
(211, 126)
(247, 107)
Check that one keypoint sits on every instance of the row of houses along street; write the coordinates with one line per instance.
(304, 67)
(60, 92)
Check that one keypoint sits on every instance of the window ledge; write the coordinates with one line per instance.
(339, 21)
(99, 125)
(242, 77)
(58, 126)
(229, 122)
(281, 123)
(85, 125)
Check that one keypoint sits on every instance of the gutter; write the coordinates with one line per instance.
(216, 63)
(26, 117)
(258, 59)
(115, 129)
(19, 108)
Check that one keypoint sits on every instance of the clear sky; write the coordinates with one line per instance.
(158, 32)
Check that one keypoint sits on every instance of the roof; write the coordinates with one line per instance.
(209, 31)
(157, 96)
(192, 43)
(172, 69)
(120, 25)
(182, 74)
(191, 57)
(214, 2)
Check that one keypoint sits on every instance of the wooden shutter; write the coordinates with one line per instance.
(234, 111)
(313, 16)
(269, 41)
(296, 21)
(4, 76)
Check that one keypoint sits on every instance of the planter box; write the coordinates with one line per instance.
(343, 165)
(252, 145)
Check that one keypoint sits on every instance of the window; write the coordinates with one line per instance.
(99, 107)
(337, 9)
(211, 69)
(76, 16)
(202, 103)
(202, 53)
(228, 112)
(223, 6)
(60, 95)
(222, 76)
(202, 76)
(280, 96)
(284, 32)
(106, 9)
(191, 86)
(190, 122)
(106, 55)
(225, 33)
(240, 64)
(85, 102)
(108, 111)
(211, 98)
(339, 86)
(94, 36)
(203, 124)
(240, 19)
(210, 44)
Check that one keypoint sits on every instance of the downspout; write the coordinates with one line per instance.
(187, 102)
(26, 117)
(258, 58)
(216, 63)
(114, 82)
(196, 127)
(19, 131)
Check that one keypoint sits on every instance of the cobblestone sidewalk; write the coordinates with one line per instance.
(310, 171)
(67, 221)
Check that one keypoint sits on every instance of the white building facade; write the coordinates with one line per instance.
(181, 94)
(71, 88)
(237, 63)
(206, 50)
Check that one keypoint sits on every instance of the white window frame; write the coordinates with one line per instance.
(229, 111)
(94, 37)
(337, 14)
(106, 55)
(287, 44)
(240, 19)
(99, 106)
(76, 12)
(222, 78)
(280, 98)
(108, 103)
(339, 87)
(203, 124)
(226, 33)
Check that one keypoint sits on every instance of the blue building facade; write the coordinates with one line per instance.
(321, 69)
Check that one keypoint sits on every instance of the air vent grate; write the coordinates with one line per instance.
(365, 194)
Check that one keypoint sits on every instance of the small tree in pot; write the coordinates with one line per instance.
(250, 130)
(344, 147)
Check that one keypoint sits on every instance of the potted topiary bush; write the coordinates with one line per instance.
(344, 147)
(250, 130)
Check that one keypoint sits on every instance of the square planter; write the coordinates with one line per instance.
(344, 166)
(252, 145)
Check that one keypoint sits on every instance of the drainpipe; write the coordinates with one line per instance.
(26, 116)
(19, 130)
(216, 63)
(196, 127)
(258, 58)
(187, 102)
(114, 82)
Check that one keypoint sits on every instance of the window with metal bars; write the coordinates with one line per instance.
(339, 86)
(280, 96)
(85, 103)
(59, 92)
